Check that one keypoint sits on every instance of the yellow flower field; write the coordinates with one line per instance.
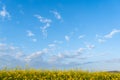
(56, 75)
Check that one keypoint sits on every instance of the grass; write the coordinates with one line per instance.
(32, 74)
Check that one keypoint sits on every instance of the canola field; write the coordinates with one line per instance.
(56, 75)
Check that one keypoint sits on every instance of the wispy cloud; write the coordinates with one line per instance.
(67, 57)
(115, 60)
(34, 40)
(112, 33)
(101, 40)
(57, 15)
(9, 49)
(71, 34)
(34, 55)
(80, 50)
(39, 55)
(58, 42)
(90, 46)
(10, 55)
(52, 45)
(44, 29)
(46, 22)
(70, 54)
(67, 38)
(31, 35)
(42, 58)
(42, 19)
(104, 38)
(54, 59)
(4, 13)
(81, 36)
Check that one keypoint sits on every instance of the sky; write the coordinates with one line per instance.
(60, 34)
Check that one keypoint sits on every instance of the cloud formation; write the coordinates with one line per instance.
(81, 36)
(46, 22)
(57, 15)
(34, 40)
(67, 38)
(112, 33)
(4, 13)
(90, 46)
(10, 56)
(42, 58)
(31, 35)
(102, 39)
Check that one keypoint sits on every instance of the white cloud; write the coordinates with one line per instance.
(80, 50)
(2, 45)
(115, 60)
(30, 33)
(60, 55)
(46, 23)
(33, 55)
(67, 38)
(112, 33)
(75, 54)
(10, 55)
(104, 38)
(44, 29)
(58, 42)
(4, 13)
(56, 58)
(81, 36)
(34, 40)
(101, 40)
(13, 48)
(51, 45)
(70, 54)
(9, 49)
(56, 14)
(90, 46)
(41, 59)
(70, 35)
(38, 55)
(42, 19)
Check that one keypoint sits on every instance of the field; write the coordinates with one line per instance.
(32, 74)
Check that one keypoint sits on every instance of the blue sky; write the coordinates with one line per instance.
(63, 34)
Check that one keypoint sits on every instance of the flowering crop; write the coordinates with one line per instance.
(56, 75)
